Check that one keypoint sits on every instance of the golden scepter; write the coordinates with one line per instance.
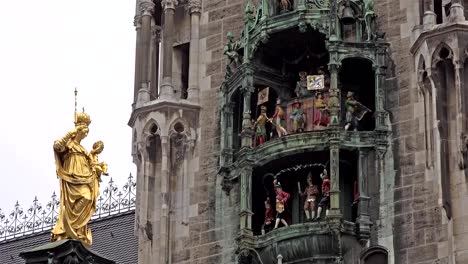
(76, 105)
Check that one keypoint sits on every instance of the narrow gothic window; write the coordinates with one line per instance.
(181, 74)
(438, 11)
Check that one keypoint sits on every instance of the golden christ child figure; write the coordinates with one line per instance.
(100, 168)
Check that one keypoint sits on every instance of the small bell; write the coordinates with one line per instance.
(348, 16)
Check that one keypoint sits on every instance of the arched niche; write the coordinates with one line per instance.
(234, 116)
(152, 137)
(358, 76)
(374, 255)
(446, 112)
(425, 88)
(291, 51)
(289, 171)
(178, 137)
(292, 172)
(256, 103)
(152, 165)
(348, 183)
(350, 32)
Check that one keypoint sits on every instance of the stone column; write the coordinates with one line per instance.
(167, 89)
(155, 40)
(363, 218)
(335, 210)
(334, 102)
(457, 13)
(137, 24)
(164, 241)
(246, 199)
(146, 12)
(193, 86)
(247, 90)
(380, 117)
(429, 19)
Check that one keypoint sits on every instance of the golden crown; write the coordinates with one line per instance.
(82, 119)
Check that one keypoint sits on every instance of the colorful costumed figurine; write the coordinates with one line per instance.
(321, 117)
(284, 5)
(301, 85)
(355, 111)
(269, 218)
(298, 117)
(278, 119)
(259, 126)
(325, 201)
(282, 198)
(311, 193)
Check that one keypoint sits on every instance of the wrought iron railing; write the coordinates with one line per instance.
(112, 201)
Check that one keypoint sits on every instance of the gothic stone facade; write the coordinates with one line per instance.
(398, 190)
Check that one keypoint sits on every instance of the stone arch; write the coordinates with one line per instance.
(358, 56)
(364, 87)
(421, 67)
(442, 52)
(374, 255)
(151, 127)
(443, 77)
(425, 85)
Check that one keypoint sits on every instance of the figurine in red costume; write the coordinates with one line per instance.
(311, 193)
(325, 201)
(269, 219)
(282, 198)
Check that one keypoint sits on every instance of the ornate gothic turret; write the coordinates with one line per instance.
(165, 121)
(304, 95)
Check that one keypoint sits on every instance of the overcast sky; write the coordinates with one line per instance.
(47, 48)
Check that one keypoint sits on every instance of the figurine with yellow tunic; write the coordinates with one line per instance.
(79, 186)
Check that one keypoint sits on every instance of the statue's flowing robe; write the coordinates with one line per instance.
(78, 191)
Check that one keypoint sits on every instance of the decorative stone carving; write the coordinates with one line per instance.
(137, 22)
(156, 33)
(194, 6)
(230, 50)
(245, 257)
(316, 4)
(169, 4)
(146, 8)
(369, 18)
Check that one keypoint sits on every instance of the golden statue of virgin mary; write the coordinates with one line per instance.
(79, 184)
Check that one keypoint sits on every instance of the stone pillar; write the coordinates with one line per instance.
(193, 86)
(430, 18)
(247, 90)
(380, 117)
(164, 241)
(146, 12)
(246, 199)
(155, 40)
(167, 89)
(334, 101)
(457, 13)
(335, 210)
(137, 24)
(363, 219)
